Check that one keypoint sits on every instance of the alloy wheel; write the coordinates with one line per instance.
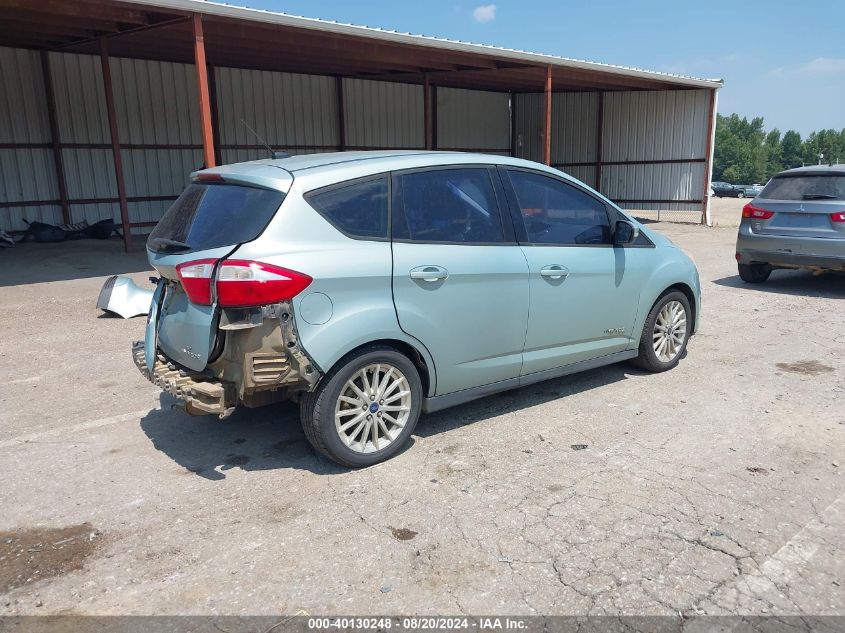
(670, 331)
(373, 408)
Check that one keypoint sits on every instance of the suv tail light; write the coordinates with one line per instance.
(750, 211)
(838, 217)
(196, 280)
(239, 282)
(243, 283)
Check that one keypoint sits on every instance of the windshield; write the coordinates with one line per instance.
(212, 215)
(806, 187)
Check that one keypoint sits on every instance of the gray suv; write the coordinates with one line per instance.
(797, 221)
(373, 286)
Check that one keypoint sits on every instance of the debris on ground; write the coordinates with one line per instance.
(402, 534)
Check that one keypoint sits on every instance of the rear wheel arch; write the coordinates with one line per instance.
(418, 358)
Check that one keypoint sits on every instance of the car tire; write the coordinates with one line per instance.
(651, 356)
(754, 273)
(324, 414)
(740, 194)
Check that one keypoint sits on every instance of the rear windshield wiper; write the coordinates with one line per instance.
(164, 244)
(819, 196)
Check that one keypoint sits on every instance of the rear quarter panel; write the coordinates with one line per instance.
(349, 303)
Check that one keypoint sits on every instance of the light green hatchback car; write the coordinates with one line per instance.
(373, 286)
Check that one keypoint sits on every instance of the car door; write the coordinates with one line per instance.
(460, 281)
(583, 291)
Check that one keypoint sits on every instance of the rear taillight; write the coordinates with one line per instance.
(243, 283)
(240, 282)
(750, 211)
(196, 280)
(838, 217)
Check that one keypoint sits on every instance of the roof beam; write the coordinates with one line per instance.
(59, 30)
(286, 38)
(78, 8)
(130, 31)
(42, 19)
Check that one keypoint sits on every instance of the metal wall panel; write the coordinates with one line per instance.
(147, 211)
(657, 125)
(584, 173)
(23, 112)
(155, 102)
(80, 99)
(574, 126)
(473, 119)
(156, 172)
(636, 126)
(89, 173)
(528, 126)
(26, 173)
(283, 108)
(82, 118)
(673, 181)
(383, 114)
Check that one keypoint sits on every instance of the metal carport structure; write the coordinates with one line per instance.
(108, 105)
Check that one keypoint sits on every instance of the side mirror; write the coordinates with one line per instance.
(625, 233)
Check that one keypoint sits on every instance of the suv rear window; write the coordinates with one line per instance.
(212, 215)
(806, 187)
(358, 209)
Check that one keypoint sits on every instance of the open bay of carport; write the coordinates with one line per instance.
(716, 487)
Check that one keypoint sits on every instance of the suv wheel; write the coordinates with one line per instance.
(365, 409)
(754, 273)
(740, 194)
(665, 333)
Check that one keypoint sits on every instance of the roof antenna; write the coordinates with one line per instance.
(275, 154)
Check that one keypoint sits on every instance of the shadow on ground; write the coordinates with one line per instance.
(793, 282)
(33, 263)
(270, 438)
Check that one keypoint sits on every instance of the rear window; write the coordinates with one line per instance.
(806, 187)
(212, 215)
(358, 209)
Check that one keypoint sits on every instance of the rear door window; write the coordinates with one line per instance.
(450, 206)
(806, 187)
(358, 208)
(557, 213)
(212, 215)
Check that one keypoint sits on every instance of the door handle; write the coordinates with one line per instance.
(429, 273)
(554, 271)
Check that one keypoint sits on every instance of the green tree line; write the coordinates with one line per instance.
(745, 153)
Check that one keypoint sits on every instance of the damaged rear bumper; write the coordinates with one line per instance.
(202, 395)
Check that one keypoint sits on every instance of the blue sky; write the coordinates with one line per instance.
(784, 61)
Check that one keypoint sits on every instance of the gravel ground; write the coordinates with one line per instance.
(714, 488)
(726, 212)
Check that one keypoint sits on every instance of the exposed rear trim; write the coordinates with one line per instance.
(200, 393)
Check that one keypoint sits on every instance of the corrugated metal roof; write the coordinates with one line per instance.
(330, 26)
